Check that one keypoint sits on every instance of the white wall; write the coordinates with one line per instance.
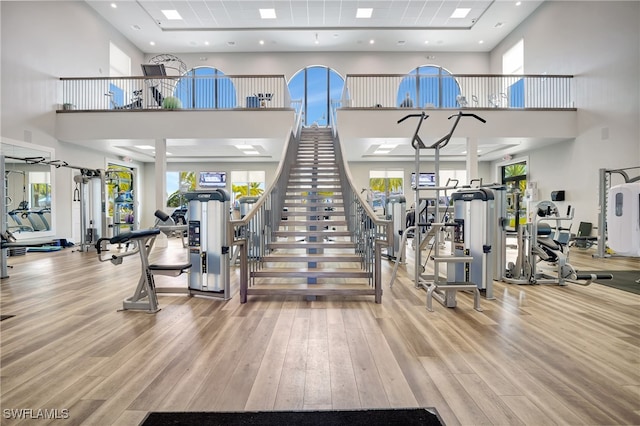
(599, 43)
(288, 64)
(41, 42)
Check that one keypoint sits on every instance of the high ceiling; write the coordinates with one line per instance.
(327, 25)
(236, 26)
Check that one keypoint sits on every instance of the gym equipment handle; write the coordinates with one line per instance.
(592, 277)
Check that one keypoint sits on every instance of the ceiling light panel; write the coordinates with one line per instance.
(236, 14)
(171, 14)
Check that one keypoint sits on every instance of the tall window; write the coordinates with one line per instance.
(513, 64)
(514, 177)
(383, 184)
(316, 86)
(119, 66)
(247, 183)
(177, 184)
(206, 88)
(429, 86)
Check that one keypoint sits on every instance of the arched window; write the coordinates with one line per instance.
(316, 86)
(206, 88)
(429, 86)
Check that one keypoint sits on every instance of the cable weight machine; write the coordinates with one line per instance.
(443, 290)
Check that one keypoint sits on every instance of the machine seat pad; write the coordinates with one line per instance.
(549, 243)
(180, 267)
(126, 236)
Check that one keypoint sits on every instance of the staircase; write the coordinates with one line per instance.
(312, 253)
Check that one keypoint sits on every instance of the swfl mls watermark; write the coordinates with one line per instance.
(35, 413)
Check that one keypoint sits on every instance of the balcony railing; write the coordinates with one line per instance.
(444, 91)
(193, 92)
(458, 91)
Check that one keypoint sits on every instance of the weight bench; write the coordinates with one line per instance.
(145, 297)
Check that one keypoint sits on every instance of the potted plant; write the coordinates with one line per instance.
(171, 102)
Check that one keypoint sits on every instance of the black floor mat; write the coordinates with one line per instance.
(411, 416)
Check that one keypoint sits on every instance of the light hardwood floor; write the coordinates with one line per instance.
(536, 355)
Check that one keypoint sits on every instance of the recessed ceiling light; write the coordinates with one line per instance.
(426, 42)
(382, 151)
(261, 42)
(460, 12)
(518, 3)
(481, 42)
(145, 147)
(153, 43)
(267, 13)
(364, 12)
(206, 43)
(244, 146)
(113, 5)
(372, 41)
(171, 14)
(252, 153)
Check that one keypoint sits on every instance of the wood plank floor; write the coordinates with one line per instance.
(536, 355)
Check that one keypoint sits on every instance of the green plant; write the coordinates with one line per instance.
(171, 102)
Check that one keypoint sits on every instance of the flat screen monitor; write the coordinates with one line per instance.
(426, 179)
(154, 70)
(212, 180)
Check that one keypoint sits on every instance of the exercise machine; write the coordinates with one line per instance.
(396, 212)
(90, 192)
(625, 226)
(169, 227)
(439, 288)
(140, 242)
(208, 222)
(536, 243)
(474, 216)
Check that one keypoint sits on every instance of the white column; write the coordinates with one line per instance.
(161, 174)
(472, 159)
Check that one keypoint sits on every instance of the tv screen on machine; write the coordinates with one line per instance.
(426, 179)
(212, 180)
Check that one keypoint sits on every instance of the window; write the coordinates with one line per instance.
(383, 184)
(514, 177)
(40, 189)
(316, 87)
(206, 88)
(119, 66)
(177, 184)
(429, 86)
(513, 64)
(247, 183)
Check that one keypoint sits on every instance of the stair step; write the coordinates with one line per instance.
(291, 213)
(319, 233)
(312, 222)
(314, 273)
(311, 290)
(316, 258)
(303, 245)
(312, 204)
(315, 180)
(312, 197)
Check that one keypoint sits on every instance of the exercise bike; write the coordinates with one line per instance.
(136, 102)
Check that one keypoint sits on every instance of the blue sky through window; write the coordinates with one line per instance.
(207, 89)
(316, 87)
(430, 86)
